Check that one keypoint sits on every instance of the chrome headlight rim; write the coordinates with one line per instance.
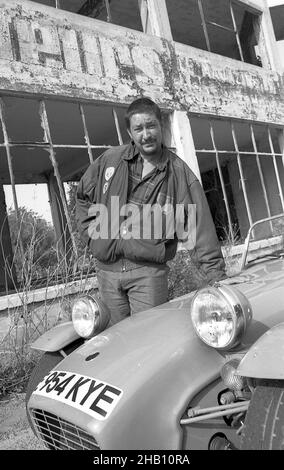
(98, 313)
(239, 307)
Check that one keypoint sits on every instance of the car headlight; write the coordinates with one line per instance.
(89, 316)
(220, 316)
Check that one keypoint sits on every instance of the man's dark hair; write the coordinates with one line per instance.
(142, 105)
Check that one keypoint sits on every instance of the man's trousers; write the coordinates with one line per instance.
(131, 291)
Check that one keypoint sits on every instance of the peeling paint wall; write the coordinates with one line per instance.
(53, 52)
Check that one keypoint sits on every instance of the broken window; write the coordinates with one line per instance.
(53, 142)
(225, 27)
(121, 12)
(242, 173)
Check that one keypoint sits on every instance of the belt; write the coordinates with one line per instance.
(123, 264)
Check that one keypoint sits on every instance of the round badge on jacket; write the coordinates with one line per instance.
(109, 172)
(105, 187)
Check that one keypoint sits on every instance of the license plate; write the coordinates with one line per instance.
(91, 396)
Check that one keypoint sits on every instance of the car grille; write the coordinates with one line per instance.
(58, 434)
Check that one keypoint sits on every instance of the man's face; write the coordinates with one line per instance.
(146, 132)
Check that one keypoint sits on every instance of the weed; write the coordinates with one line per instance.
(28, 318)
(231, 239)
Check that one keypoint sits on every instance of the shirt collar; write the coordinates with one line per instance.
(134, 152)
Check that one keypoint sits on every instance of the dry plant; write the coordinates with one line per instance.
(68, 277)
(230, 240)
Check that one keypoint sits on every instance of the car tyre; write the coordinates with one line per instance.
(264, 423)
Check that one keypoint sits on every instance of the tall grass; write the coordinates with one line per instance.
(28, 320)
(230, 240)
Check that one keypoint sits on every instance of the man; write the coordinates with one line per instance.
(131, 252)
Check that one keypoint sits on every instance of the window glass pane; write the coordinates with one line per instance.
(253, 186)
(246, 23)
(230, 173)
(72, 163)
(280, 167)
(22, 119)
(223, 135)
(65, 123)
(223, 42)
(277, 16)
(126, 13)
(243, 137)
(1, 133)
(49, 3)
(123, 12)
(120, 112)
(211, 182)
(275, 136)
(75, 5)
(218, 12)
(4, 170)
(238, 209)
(101, 125)
(201, 133)
(186, 23)
(271, 184)
(30, 165)
(261, 137)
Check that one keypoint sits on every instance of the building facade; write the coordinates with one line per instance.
(69, 68)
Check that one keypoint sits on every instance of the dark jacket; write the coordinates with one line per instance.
(177, 185)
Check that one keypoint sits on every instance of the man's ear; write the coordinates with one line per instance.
(129, 133)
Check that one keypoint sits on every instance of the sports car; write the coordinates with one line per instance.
(202, 371)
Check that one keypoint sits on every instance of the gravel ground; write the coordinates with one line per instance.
(15, 432)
